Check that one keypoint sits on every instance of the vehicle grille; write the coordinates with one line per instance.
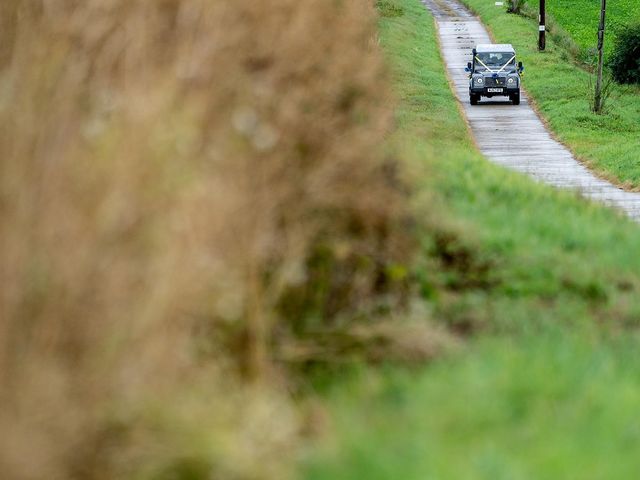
(495, 82)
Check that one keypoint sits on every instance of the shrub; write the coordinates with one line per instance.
(608, 89)
(515, 6)
(625, 60)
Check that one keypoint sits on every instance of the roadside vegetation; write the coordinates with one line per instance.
(563, 90)
(624, 64)
(537, 284)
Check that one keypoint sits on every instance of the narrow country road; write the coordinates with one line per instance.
(514, 136)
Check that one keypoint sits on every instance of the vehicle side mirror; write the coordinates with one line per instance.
(520, 67)
(468, 68)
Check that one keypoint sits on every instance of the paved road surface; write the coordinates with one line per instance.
(514, 136)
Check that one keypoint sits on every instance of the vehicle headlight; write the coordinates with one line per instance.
(511, 80)
(479, 81)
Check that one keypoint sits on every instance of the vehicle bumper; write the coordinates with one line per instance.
(484, 91)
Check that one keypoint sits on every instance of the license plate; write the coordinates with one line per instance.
(494, 90)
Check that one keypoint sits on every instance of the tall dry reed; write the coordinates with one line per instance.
(182, 185)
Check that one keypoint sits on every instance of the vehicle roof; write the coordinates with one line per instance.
(495, 47)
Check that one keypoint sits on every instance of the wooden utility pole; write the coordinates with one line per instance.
(542, 41)
(597, 103)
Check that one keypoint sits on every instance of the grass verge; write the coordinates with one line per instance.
(609, 144)
(549, 407)
(546, 282)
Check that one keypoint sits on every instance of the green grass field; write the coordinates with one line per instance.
(609, 144)
(544, 288)
(544, 408)
(580, 19)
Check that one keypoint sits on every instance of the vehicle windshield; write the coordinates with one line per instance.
(495, 60)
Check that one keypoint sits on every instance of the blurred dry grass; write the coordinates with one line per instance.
(183, 185)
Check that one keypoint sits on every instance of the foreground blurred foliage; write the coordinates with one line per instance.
(188, 191)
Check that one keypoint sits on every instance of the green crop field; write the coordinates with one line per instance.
(546, 382)
(580, 18)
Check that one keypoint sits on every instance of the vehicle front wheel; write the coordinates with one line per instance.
(473, 99)
(515, 99)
